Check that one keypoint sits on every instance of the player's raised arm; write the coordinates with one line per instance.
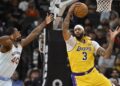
(37, 30)
(65, 27)
(106, 53)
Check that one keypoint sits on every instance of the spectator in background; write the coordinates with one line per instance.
(34, 78)
(88, 26)
(115, 77)
(101, 39)
(106, 63)
(104, 16)
(93, 16)
(23, 5)
(114, 19)
(117, 62)
(15, 80)
(32, 11)
(92, 35)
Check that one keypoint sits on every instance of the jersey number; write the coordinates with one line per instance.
(15, 60)
(85, 56)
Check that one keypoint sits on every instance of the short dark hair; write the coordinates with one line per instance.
(9, 31)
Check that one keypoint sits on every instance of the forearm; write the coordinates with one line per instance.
(65, 27)
(108, 51)
(33, 34)
(66, 22)
(39, 28)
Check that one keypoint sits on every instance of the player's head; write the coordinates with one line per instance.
(79, 31)
(15, 33)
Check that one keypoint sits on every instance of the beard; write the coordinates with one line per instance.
(18, 39)
(79, 37)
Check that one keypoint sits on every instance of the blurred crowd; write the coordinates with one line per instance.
(27, 14)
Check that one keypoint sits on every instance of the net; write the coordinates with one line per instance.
(104, 5)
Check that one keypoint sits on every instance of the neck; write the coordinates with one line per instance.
(81, 39)
(15, 44)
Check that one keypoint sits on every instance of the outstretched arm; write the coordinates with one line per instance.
(65, 27)
(106, 53)
(37, 31)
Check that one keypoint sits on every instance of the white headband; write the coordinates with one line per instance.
(79, 26)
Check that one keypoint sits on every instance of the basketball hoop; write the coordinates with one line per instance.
(104, 5)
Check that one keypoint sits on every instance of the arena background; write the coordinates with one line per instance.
(47, 54)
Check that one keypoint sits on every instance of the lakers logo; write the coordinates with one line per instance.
(83, 48)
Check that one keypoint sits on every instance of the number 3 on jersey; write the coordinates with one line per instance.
(85, 56)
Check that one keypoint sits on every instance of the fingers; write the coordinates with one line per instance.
(52, 17)
(47, 14)
(73, 6)
(118, 27)
(49, 18)
(110, 30)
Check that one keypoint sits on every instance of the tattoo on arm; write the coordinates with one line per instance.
(65, 27)
(66, 22)
(101, 51)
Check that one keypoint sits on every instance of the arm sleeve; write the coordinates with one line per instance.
(95, 45)
(70, 43)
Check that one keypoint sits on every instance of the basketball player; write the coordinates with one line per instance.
(81, 50)
(11, 48)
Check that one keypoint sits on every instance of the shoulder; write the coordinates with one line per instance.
(95, 45)
(72, 38)
(22, 42)
(70, 43)
(94, 42)
(7, 47)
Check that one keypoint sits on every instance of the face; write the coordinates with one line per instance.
(78, 33)
(34, 75)
(16, 35)
(114, 74)
(15, 76)
(117, 61)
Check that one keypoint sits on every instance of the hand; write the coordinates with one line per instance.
(49, 18)
(71, 9)
(113, 34)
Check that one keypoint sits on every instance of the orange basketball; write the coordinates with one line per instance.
(81, 10)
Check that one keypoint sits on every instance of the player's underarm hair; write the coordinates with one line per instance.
(101, 51)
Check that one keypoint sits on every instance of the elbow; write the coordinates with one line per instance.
(107, 56)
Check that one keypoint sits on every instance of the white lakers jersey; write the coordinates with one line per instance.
(9, 61)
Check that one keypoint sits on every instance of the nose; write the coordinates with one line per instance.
(78, 31)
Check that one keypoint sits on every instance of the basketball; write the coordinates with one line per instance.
(81, 10)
